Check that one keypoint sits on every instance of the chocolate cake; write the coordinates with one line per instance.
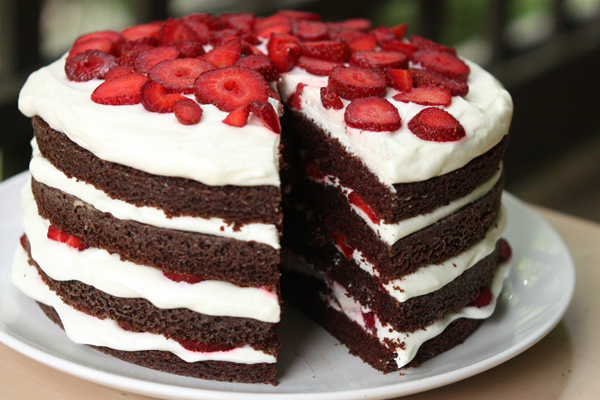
(162, 180)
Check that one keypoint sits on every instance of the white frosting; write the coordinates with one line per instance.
(430, 278)
(108, 273)
(400, 156)
(388, 336)
(210, 152)
(43, 171)
(85, 329)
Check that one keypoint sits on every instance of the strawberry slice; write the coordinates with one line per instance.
(284, 50)
(372, 114)
(299, 15)
(341, 241)
(294, 101)
(155, 98)
(357, 201)
(117, 71)
(425, 44)
(260, 63)
(307, 30)
(201, 29)
(91, 64)
(426, 96)
(193, 345)
(436, 125)
(147, 59)
(442, 63)
(178, 75)
(399, 46)
(108, 34)
(267, 114)
(136, 32)
(243, 21)
(317, 67)
(225, 55)
(353, 82)
(23, 241)
(187, 111)
(217, 38)
(179, 277)
(284, 27)
(399, 30)
(399, 79)
(330, 99)
(188, 48)
(383, 34)
(99, 43)
(76, 243)
(238, 117)
(340, 34)
(212, 21)
(56, 234)
(357, 24)
(422, 77)
(327, 50)
(123, 90)
(230, 87)
(379, 60)
(135, 46)
(367, 41)
(174, 29)
(483, 299)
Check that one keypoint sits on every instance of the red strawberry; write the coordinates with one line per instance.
(399, 79)
(217, 38)
(267, 114)
(23, 241)
(354, 82)
(330, 99)
(91, 64)
(284, 50)
(187, 48)
(76, 243)
(260, 63)
(399, 30)
(117, 71)
(122, 90)
(505, 251)
(136, 46)
(358, 24)
(187, 111)
(317, 67)
(483, 299)
(384, 34)
(355, 199)
(294, 100)
(110, 35)
(379, 60)
(426, 44)
(179, 277)
(193, 345)
(147, 59)
(372, 114)
(369, 319)
(326, 50)
(299, 15)
(174, 29)
(225, 55)
(243, 21)
(212, 21)
(100, 43)
(230, 87)
(437, 125)
(367, 41)
(178, 75)
(443, 63)
(342, 243)
(238, 117)
(423, 77)
(127, 59)
(56, 234)
(426, 96)
(142, 31)
(201, 30)
(284, 26)
(154, 98)
(310, 30)
(345, 35)
(399, 46)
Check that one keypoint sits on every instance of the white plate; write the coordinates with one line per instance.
(312, 364)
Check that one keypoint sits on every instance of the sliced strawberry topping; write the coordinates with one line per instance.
(345, 35)
(123, 90)
(354, 82)
(260, 63)
(91, 64)
(76, 243)
(342, 243)
(284, 50)
(299, 15)
(56, 234)
(154, 98)
(372, 114)
(358, 24)
(141, 31)
(443, 63)
(174, 29)
(426, 96)
(193, 345)
(283, 26)
(179, 277)
(399, 30)
(399, 79)
(149, 58)
(367, 41)
(379, 60)
(201, 30)
(294, 101)
(178, 75)
(384, 34)
(187, 111)
(505, 251)
(243, 21)
(310, 30)
(426, 44)
(187, 48)
(330, 99)
(356, 200)
(238, 117)
(317, 67)
(210, 20)
(399, 46)
(117, 71)
(483, 299)
(326, 50)
(267, 114)
(423, 77)
(110, 35)
(136, 46)
(225, 55)
(102, 44)
(230, 87)
(217, 38)
(437, 125)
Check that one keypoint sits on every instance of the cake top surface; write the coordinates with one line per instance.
(232, 141)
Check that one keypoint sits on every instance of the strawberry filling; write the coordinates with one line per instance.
(60, 236)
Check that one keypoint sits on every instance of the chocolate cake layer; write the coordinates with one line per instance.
(210, 257)
(328, 156)
(175, 196)
(330, 211)
(168, 362)
(309, 295)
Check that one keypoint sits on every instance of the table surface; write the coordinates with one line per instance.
(563, 365)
